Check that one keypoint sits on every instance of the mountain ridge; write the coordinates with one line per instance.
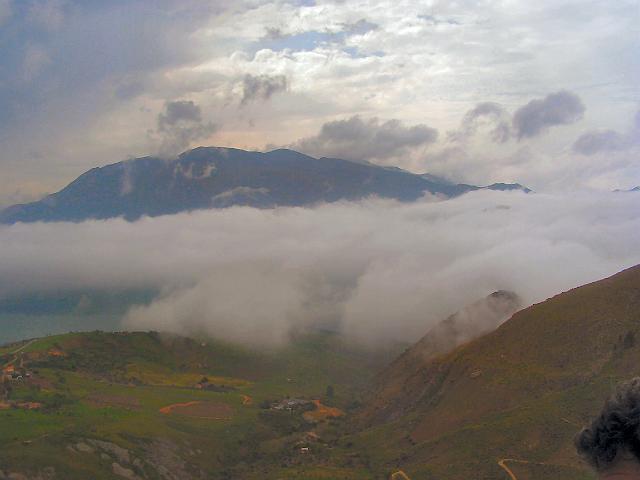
(520, 392)
(219, 177)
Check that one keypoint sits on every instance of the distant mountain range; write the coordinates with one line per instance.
(212, 177)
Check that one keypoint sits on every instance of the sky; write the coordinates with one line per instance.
(543, 93)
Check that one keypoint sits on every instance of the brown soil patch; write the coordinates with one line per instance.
(22, 405)
(322, 412)
(108, 400)
(197, 409)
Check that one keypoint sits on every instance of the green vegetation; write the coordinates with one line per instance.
(136, 392)
(111, 405)
(520, 393)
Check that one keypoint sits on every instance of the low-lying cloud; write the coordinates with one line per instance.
(596, 141)
(376, 270)
(366, 139)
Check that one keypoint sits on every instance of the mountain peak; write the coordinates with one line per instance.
(219, 177)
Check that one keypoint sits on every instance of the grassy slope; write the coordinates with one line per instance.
(541, 375)
(153, 371)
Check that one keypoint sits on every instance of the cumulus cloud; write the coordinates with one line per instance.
(365, 139)
(261, 87)
(375, 270)
(537, 116)
(181, 124)
(596, 141)
(485, 113)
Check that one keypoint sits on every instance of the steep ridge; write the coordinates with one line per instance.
(467, 324)
(520, 392)
(211, 177)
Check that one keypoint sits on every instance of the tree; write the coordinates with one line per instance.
(329, 393)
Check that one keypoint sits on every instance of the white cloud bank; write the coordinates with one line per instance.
(377, 269)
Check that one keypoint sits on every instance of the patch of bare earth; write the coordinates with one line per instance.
(322, 412)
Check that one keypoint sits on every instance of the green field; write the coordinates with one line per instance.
(100, 397)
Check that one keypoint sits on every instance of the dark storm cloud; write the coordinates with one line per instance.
(534, 118)
(51, 53)
(262, 87)
(180, 124)
(358, 139)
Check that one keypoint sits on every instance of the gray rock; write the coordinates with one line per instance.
(124, 472)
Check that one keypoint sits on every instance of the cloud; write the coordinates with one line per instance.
(181, 124)
(596, 141)
(599, 140)
(366, 139)
(489, 113)
(376, 270)
(99, 94)
(360, 27)
(537, 116)
(262, 87)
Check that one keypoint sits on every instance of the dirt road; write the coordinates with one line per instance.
(18, 350)
(503, 465)
(399, 475)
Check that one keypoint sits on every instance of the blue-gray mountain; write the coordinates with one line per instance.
(211, 177)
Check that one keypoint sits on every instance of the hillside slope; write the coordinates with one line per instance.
(467, 324)
(210, 177)
(520, 392)
(162, 407)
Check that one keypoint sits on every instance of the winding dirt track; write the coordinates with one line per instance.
(19, 349)
(16, 351)
(503, 465)
(399, 475)
(512, 476)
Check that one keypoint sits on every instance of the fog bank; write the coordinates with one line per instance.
(377, 270)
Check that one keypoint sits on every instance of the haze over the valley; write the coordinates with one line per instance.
(377, 270)
(540, 93)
